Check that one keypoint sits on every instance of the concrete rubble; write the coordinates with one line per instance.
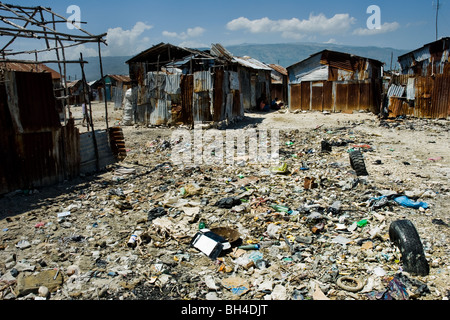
(326, 239)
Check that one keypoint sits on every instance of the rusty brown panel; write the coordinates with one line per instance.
(341, 97)
(296, 95)
(441, 96)
(40, 165)
(353, 97)
(37, 101)
(71, 152)
(333, 74)
(317, 98)
(218, 95)
(328, 100)
(376, 89)
(423, 97)
(306, 96)
(201, 107)
(10, 179)
(396, 107)
(236, 103)
(364, 96)
(187, 94)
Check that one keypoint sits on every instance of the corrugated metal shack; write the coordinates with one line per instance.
(280, 82)
(337, 82)
(76, 92)
(175, 85)
(422, 89)
(116, 87)
(38, 150)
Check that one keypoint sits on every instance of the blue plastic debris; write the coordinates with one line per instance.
(406, 202)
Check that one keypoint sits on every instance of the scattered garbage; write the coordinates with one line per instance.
(306, 228)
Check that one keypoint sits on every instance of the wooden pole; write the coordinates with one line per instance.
(101, 74)
(94, 138)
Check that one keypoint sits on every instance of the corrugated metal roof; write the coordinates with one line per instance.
(338, 59)
(318, 74)
(396, 91)
(279, 69)
(25, 67)
(218, 50)
(165, 53)
(251, 63)
(119, 78)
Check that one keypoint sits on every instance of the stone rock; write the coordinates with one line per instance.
(43, 291)
(26, 284)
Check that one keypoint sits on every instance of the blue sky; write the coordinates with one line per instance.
(136, 25)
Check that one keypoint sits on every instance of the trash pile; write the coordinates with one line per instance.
(326, 223)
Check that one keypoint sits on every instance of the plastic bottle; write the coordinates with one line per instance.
(280, 208)
(132, 243)
(250, 247)
(362, 223)
(201, 225)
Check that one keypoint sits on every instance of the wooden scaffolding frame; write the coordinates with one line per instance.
(41, 23)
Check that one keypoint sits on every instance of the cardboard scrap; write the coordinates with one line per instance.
(238, 286)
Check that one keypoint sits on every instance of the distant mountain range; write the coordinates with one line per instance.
(282, 54)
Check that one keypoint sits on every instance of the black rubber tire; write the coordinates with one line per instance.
(358, 164)
(405, 236)
(326, 146)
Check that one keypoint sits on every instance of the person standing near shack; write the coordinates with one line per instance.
(85, 115)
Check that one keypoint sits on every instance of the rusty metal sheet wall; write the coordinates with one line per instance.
(203, 81)
(317, 96)
(187, 93)
(9, 165)
(41, 155)
(202, 107)
(37, 101)
(295, 96)
(328, 98)
(236, 104)
(341, 97)
(87, 151)
(440, 99)
(424, 87)
(305, 99)
(399, 107)
(353, 96)
(219, 97)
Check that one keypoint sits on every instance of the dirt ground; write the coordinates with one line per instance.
(407, 156)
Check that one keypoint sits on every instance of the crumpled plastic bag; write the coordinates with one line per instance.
(406, 202)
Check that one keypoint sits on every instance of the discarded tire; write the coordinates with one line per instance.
(326, 146)
(354, 285)
(357, 163)
(404, 235)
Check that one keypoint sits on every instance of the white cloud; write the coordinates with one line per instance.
(331, 41)
(385, 28)
(295, 28)
(188, 34)
(193, 44)
(127, 42)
